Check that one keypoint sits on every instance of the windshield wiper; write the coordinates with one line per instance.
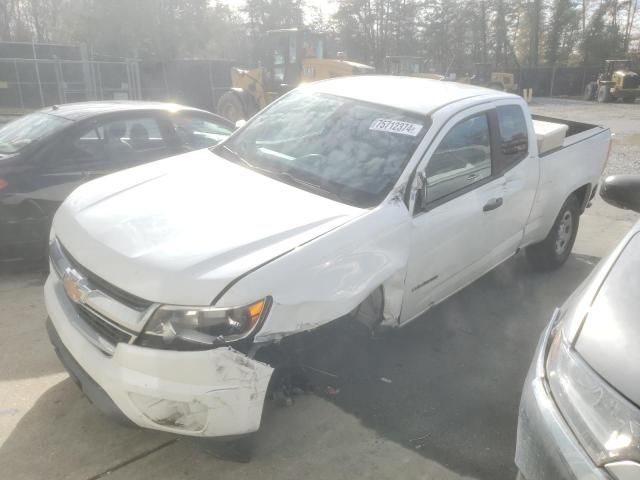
(237, 156)
(309, 185)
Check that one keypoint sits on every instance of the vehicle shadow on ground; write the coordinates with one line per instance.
(64, 436)
(448, 385)
(25, 351)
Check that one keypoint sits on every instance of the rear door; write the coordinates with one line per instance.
(195, 130)
(518, 171)
(114, 142)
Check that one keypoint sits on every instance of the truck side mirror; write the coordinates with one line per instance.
(622, 191)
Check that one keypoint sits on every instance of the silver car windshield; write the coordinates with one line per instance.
(343, 148)
(16, 135)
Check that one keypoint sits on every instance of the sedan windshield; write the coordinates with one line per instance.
(341, 148)
(16, 135)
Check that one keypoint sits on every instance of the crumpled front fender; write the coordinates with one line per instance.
(330, 276)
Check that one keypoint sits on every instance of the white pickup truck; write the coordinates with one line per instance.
(369, 198)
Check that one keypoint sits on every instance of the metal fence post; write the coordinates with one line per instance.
(60, 81)
(15, 66)
(35, 61)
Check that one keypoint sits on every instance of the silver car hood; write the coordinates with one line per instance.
(610, 335)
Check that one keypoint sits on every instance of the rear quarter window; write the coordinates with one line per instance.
(513, 135)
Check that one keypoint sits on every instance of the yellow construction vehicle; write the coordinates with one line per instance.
(484, 76)
(617, 81)
(409, 66)
(292, 56)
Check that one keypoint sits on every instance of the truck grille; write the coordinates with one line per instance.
(107, 331)
(123, 297)
(106, 315)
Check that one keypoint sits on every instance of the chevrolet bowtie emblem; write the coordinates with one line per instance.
(74, 286)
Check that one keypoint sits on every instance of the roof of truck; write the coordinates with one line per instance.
(412, 94)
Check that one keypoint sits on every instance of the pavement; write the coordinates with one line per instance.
(435, 400)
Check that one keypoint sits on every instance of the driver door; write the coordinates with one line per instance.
(448, 242)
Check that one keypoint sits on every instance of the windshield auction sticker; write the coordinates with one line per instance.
(396, 126)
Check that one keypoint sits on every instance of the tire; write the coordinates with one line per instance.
(629, 99)
(604, 95)
(369, 312)
(590, 91)
(231, 107)
(554, 250)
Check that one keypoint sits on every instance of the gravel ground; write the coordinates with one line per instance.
(623, 120)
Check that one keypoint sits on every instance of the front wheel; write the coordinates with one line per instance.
(554, 250)
(231, 107)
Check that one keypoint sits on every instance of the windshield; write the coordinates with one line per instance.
(342, 148)
(16, 135)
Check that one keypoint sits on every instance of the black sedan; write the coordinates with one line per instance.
(45, 155)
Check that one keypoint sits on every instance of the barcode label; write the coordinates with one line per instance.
(396, 126)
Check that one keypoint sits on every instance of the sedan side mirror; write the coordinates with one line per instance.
(622, 191)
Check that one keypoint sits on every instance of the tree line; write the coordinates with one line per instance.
(449, 34)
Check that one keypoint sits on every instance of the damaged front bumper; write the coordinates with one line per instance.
(213, 393)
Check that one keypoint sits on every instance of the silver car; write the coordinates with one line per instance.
(579, 413)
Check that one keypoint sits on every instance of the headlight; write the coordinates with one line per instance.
(200, 328)
(606, 424)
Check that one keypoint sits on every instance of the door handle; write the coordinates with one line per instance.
(492, 204)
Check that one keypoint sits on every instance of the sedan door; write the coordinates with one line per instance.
(450, 239)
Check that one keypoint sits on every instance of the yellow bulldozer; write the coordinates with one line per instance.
(409, 66)
(616, 82)
(484, 76)
(291, 56)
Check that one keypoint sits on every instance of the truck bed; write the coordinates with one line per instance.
(574, 167)
(577, 131)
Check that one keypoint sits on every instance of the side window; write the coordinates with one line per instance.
(462, 158)
(87, 147)
(198, 132)
(514, 140)
(132, 135)
(117, 142)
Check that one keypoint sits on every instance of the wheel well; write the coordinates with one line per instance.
(582, 194)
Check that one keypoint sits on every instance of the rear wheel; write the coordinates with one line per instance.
(604, 94)
(231, 107)
(590, 91)
(554, 250)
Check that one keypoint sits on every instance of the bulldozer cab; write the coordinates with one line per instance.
(404, 65)
(284, 59)
(612, 66)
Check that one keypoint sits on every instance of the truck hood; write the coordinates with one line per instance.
(179, 230)
(608, 340)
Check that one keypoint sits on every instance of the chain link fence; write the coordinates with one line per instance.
(27, 84)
